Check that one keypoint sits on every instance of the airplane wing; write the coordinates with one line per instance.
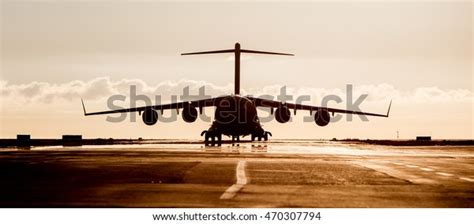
(178, 105)
(275, 104)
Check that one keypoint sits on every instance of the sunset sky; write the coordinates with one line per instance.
(418, 53)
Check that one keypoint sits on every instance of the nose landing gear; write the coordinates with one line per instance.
(235, 138)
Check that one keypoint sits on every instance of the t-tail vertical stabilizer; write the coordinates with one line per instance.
(237, 51)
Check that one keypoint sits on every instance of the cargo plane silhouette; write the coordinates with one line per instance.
(235, 115)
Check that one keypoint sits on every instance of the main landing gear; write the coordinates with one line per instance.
(214, 137)
(263, 135)
(211, 136)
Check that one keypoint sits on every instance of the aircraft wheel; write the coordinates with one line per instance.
(206, 138)
(219, 139)
(213, 138)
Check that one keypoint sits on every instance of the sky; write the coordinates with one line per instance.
(416, 53)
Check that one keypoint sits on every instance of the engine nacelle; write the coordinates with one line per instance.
(322, 117)
(282, 114)
(149, 117)
(190, 113)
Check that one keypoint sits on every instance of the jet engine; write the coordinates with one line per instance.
(150, 116)
(190, 113)
(322, 117)
(282, 114)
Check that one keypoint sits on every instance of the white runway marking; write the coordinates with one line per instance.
(426, 169)
(400, 164)
(395, 172)
(444, 174)
(467, 179)
(411, 166)
(240, 172)
(241, 181)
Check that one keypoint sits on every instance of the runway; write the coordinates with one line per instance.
(277, 174)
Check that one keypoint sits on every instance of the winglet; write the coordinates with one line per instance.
(83, 107)
(389, 106)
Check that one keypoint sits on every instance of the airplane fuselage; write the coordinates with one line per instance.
(236, 116)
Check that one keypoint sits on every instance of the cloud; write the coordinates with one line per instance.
(376, 93)
(103, 87)
(47, 92)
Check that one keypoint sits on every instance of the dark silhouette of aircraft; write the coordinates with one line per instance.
(235, 115)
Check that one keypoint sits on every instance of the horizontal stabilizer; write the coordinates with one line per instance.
(237, 52)
(264, 52)
(210, 52)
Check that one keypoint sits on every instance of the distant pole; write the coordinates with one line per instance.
(398, 135)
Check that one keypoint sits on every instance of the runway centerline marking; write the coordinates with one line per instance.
(426, 169)
(411, 166)
(241, 181)
(444, 174)
(467, 179)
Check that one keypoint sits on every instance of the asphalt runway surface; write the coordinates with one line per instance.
(275, 174)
